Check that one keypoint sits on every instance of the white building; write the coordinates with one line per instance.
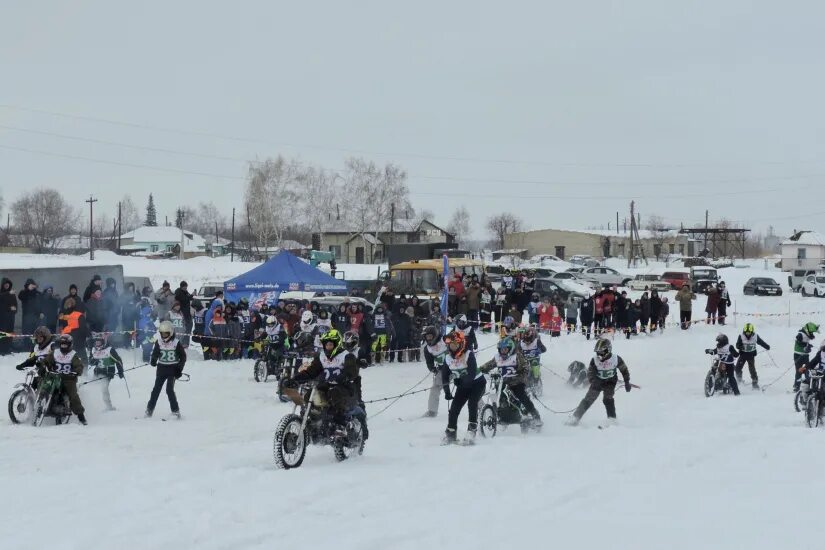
(163, 240)
(803, 250)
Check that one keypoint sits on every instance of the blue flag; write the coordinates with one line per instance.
(445, 294)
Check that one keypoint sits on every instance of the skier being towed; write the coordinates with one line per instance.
(460, 365)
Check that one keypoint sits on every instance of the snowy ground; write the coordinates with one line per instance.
(679, 471)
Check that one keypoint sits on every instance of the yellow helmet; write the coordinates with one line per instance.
(749, 328)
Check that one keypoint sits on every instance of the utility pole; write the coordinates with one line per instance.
(392, 222)
(706, 229)
(232, 244)
(617, 222)
(91, 202)
(216, 237)
(182, 235)
(119, 225)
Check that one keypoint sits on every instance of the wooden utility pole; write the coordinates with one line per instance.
(232, 244)
(706, 230)
(635, 240)
(182, 234)
(119, 224)
(91, 202)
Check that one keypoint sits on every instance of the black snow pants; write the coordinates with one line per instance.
(606, 386)
(164, 375)
(471, 396)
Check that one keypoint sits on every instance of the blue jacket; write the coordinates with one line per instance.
(208, 317)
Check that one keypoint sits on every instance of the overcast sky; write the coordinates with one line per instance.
(561, 112)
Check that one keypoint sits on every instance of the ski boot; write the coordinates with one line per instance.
(176, 414)
(429, 414)
(148, 413)
(755, 384)
(82, 418)
(572, 421)
(537, 421)
(470, 437)
(449, 437)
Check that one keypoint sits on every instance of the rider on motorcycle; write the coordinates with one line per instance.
(64, 362)
(513, 368)
(43, 343)
(532, 347)
(336, 371)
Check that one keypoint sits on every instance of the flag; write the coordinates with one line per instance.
(446, 292)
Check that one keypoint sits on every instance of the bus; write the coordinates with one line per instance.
(425, 278)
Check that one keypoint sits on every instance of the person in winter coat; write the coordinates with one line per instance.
(73, 323)
(545, 314)
(685, 297)
(608, 301)
(620, 311)
(95, 284)
(72, 296)
(461, 368)
(711, 305)
(487, 299)
(644, 312)
(515, 313)
(586, 314)
(164, 298)
(8, 311)
(340, 319)
(598, 318)
(64, 361)
(111, 305)
(746, 344)
(724, 303)
(664, 313)
(801, 351)
(603, 377)
(96, 312)
(402, 326)
(129, 301)
(533, 309)
(50, 306)
(169, 356)
(30, 304)
(571, 313)
(184, 298)
(218, 334)
(381, 333)
(146, 328)
(633, 315)
(655, 310)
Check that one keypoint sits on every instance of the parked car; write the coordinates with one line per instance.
(797, 277)
(547, 287)
(676, 278)
(649, 282)
(605, 276)
(575, 278)
(206, 293)
(814, 285)
(702, 277)
(761, 286)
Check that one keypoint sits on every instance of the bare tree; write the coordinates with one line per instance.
(503, 224)
(269, 199)
(129, 216)
(43, 216)
(659, 233)
(316, 200)
(459, 224)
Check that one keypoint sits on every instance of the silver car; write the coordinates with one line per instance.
(605, 276)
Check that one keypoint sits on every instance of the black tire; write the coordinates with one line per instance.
(812, 412)
(290, 446)
(710, 385)
(804, 293)
(488, 421)
(41, 407)
(259, 371)
(21, 403)
(625, 282)
(797, 402)
(816, 293)
(354, 443)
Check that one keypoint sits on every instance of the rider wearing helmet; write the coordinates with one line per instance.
(801, 351)
(43, 343)
(336, 370)
(513, 368)
(746, 344)
(726, 354)
(106, 362)
(381, 332)
(435, 352)
(532, 347)
(169, 356)
(64, 361)
(460, 367)
(509, 328)
(603, 378)
(462, 324)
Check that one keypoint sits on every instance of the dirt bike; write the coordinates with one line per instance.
(814, 399)
(290, 363)
(716, 379)
(269, 364)
(501, 408)
(37, 397)
(311, 422)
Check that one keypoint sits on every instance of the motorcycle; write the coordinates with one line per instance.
(814, 401)
(501, 408)
(269, 364)
(311, 422)
(37, 397)
(716, 379)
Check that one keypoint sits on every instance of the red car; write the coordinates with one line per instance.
(677, 279)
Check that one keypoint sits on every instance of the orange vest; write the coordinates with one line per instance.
(72, 322)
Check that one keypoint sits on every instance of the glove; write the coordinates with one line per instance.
(627, 385)
(710, 351)
(363, 363)
(808, 348)
(21, 366)
(447, 394)
(154, 363)
(323, 386)
(178, 374)
(802, 369)
(120, 374)
(432, 369)
(767, 347)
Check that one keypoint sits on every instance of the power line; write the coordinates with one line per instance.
(397, 154)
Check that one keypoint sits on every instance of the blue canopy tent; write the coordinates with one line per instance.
(281, 273)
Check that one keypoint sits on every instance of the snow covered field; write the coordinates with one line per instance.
(679, 471)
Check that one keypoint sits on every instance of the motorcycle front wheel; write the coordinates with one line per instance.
(290, 445)
(21, 407)
(812, 412)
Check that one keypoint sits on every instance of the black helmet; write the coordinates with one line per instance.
(430, 334)
(722, 340)
(304, 339)
(461, 321)
(323, 314)
(603, 348)
(64, 342)
(98, 339)
(351, 340)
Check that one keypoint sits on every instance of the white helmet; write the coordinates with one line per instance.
(307, 321)
(166, 330)
(271, 321)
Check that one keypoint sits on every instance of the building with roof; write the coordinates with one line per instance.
(352, 246)
(163, 240)
(803, 250)
(598, 243)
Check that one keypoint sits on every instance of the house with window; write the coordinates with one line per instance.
(804, 250)
(151, 241)
(352, 246)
